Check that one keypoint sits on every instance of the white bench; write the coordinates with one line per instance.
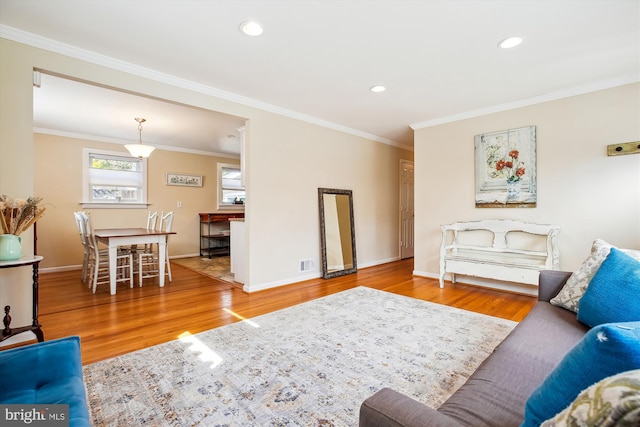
(505, 250)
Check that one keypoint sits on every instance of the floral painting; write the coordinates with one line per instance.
(505, 168)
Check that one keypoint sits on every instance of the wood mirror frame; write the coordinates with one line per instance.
(337, 232)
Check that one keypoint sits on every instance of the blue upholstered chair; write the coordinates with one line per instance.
(48, 372)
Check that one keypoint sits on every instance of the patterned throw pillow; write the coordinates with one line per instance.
(576, 285)
(614, 401)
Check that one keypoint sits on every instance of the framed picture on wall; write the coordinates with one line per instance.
(505, 169)
(184, 179)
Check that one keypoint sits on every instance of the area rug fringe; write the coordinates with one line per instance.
(308, 365)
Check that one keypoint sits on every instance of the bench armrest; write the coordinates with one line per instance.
(388, 408)
(550, 283)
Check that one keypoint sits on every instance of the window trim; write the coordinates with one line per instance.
(225, 206)
(86, 199)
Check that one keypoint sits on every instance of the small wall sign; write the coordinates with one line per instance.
(184, 179)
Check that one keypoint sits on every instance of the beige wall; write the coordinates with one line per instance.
(58, 179)
(16, 169)
(283, 200)
(286, 161)
(588, 194)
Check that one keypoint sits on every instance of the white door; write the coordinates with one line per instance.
(406, 209)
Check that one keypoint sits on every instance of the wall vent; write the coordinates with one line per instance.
(306, 265)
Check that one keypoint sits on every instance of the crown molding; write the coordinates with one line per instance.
(40, 42)
(565, 93)
(86, 137)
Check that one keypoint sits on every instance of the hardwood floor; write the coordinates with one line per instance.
(141, 317)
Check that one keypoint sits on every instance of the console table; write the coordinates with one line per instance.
(215, 233)
(35, 327)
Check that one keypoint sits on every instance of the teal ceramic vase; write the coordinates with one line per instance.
(10, 247)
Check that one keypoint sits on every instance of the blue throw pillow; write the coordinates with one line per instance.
(605, 350)
(613, 295)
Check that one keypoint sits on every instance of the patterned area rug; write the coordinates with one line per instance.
(217, 267)
(309, 365)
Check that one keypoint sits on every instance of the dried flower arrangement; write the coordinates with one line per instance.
(17, 215)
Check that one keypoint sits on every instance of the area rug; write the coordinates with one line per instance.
(308, 365)
(216, 267)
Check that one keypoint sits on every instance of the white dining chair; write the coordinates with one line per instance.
(80, 223)
(148, 260)
(99, 261)
(152, 220)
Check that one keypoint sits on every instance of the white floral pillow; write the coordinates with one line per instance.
(570, 294)
(614, 401)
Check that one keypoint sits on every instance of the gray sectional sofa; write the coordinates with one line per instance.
(496, 393)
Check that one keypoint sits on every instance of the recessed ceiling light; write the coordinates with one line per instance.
(251, 28)
(510, 42)
(377, 88)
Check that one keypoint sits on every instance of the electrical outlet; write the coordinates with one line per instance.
(179, 204)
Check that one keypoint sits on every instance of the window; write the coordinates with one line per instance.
(113, 179)
(231, 193)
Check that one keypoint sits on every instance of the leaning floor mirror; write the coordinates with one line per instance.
(337, 234)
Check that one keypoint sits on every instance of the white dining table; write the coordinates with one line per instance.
(115, 237)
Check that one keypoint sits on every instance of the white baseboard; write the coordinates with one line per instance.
(185, 256)
(79, 267)
(426, 274)
(59, 269)
(290, 281)
(247, 288)
(518, 288)
(382, 261)
(303, 277)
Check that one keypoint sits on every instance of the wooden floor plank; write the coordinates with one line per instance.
(110, 325)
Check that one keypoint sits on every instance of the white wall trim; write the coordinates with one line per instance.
(302, 278)
(34, 40)
(262, 286)
(565, 93)
(425, 274)
(121, 143)
(518, 288)
(59, 269)
(379, 262)
(79, 267)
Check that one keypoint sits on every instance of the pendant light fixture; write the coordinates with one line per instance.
(140, 150)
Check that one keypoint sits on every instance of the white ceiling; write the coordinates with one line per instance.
(317, 59)
(66, 107)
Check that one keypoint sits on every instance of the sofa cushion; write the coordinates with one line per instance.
(577, 284)
(48, 372)
(605, 350)
(496, 393)
(613, 401)
(614, 292)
